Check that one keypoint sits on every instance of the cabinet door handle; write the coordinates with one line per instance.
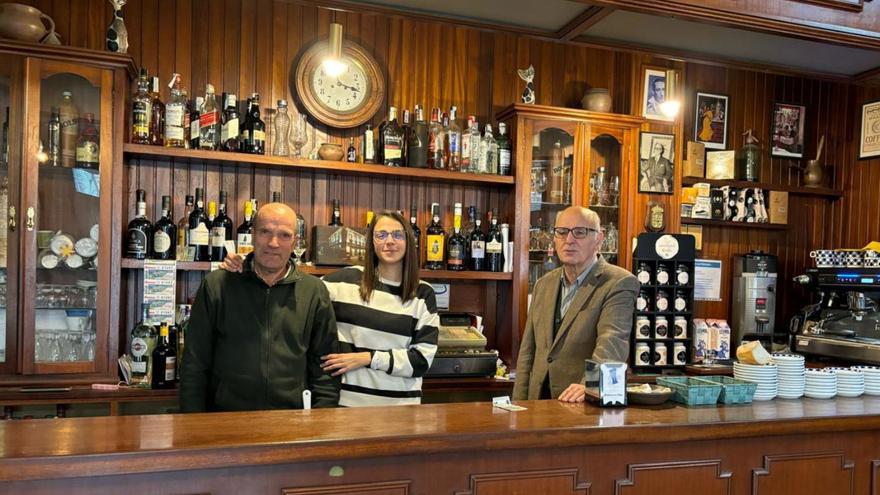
(30, 219)
(12, 218)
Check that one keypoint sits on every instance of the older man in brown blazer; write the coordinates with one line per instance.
(582, 310)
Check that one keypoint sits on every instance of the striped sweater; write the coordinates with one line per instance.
(401, 335)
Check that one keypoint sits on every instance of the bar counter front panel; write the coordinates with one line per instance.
(805, 447)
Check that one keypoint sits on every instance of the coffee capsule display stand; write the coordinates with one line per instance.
(657, 252)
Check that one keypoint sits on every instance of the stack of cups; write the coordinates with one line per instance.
(872, 378)
(849, 383)
(820, 384)
(791, 375)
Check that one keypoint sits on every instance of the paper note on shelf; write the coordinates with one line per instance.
(707, 280)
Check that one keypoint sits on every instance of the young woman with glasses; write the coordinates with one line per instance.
(386, 319)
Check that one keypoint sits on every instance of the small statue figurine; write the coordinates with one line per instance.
(117, 34)
(528, 75)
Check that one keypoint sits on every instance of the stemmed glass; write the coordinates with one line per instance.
(300, 134)
(298, 249)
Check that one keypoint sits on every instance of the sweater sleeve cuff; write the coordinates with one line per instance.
(381, 361)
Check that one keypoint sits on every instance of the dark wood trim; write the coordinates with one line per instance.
(98, 58)
(585, 20)
(870, 76)
(766, 24)
(765, 470)
(735, 225)
(796, 190)
(851, 5)
(633, 469)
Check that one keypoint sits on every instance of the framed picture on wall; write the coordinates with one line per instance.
(653, 94)
(710, 126)
(656, 162)
(787, 130)
(869, 141)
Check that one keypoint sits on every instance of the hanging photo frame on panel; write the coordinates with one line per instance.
(653, 94)
(787, 130)
(710, 126)
(656, 162)
(869, 140)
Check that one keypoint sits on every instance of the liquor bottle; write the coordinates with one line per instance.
(444, 122)
(143, 341)
(477, 254)
(157, 120)
(195, 123)
(406, 128)
(164, 360)
(336, 217)
(504, 150)
(5, 149)
(212, 213)
(368, 147)
(198, 228)
(87, 146)
(457, 244)
(494, 246)
(244, 244)
(187, 114)
(245, 137)
(391, 140)
(140, 231)
(176, 116)
(69, 129)
(435, 141)
(488, 153)
(282, 130)
(453, 141)
(370, 215)
(414, 224)
(165, 234)
(54, 136)
(435, 236)
(4, 233)
(256, 129)
(221, 231)
(209, 121)
(557, 174)
(351, 154)
(183, 225)
(229, 132)
(141, 110)
(470, 225)
(474, 140)
(417, 143)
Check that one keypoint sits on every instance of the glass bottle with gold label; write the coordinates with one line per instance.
(435, 238)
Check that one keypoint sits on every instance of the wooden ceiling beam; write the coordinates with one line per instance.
(583, 21)
(869, 77)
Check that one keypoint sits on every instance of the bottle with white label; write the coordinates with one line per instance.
(244, 244)
(199, 234)
(143, 341)
(643, 328)
(138, 241)
(165, 234)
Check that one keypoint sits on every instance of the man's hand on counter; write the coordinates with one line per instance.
(574, 393)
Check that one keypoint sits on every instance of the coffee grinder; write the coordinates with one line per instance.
(754, 298)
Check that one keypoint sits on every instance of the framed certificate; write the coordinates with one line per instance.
(869, 141)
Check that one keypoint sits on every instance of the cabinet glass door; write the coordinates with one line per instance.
(553, 158)
(603, 189)
(69, 150)
(10, 171)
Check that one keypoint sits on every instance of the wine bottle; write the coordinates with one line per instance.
(140, 230)
(414, 224)
(494, 246)
(143, 341)
(256, 129)
(183, 225)
(221, 231)
(88, 149)
(435, 238)
(391, 140)
(457, 244)
(477, 254)
(417, 142)
(504, 150)
(336, 218)
(157, 120)
(245, 234)
(164, 360)
(229, 132)
(198, 229)
(165, 234)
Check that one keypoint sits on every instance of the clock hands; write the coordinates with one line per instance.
(351, 88)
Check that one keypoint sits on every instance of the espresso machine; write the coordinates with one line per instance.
(845, 322)
(754, 298)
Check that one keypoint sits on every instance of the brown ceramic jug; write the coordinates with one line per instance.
(24, 23)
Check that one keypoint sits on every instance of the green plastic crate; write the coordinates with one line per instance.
(733, 390)
(691, 391)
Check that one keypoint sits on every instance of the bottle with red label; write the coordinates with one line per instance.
(209, 121)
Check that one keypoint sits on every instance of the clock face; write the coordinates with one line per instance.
(344, 93)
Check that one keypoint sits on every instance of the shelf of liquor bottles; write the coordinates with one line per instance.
(427, 174)
(133, 264)
(740, 225)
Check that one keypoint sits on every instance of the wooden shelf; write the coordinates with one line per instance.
(735, 225)
(427, 174)
(323, 270)
(796, 190)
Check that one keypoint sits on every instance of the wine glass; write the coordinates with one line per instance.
(298, 249)
(300, 134)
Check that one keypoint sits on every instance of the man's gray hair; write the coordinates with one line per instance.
(587, 214)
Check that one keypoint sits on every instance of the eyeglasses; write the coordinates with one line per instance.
(577, 232)
(381, 235)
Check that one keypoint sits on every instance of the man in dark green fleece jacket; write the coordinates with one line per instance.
(255, 339)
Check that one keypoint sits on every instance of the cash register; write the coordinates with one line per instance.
(461, 349)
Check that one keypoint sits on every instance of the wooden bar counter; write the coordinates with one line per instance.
(804, 446)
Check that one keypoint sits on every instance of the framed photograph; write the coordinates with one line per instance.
(653, 94)
(656, 162)
(710, 127)
(787, 130)
(869, 142)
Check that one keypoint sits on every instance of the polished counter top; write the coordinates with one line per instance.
(34, 449)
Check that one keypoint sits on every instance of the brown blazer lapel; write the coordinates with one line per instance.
(583, 295)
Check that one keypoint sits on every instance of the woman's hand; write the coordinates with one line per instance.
(343, 363)
(232, 263)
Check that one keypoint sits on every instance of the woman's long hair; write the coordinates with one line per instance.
(410, 280)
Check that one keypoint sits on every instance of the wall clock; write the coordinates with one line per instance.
(347, 100)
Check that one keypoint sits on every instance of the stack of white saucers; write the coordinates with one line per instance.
(820, 384)
(850, 383)
(764, 375)
(872, 378)
(791, 375)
